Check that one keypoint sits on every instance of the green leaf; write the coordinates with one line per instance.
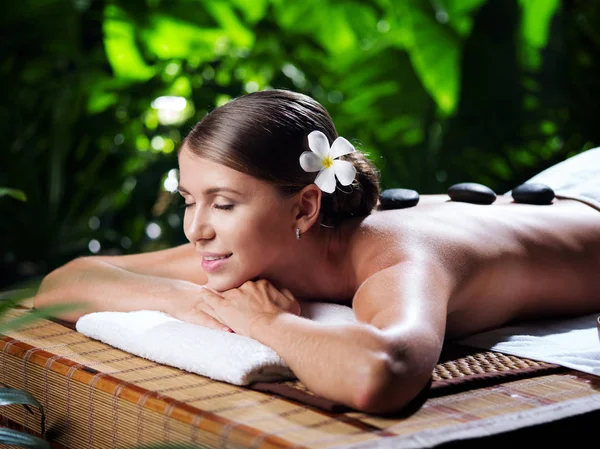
(535, 24)
(10, 396)
(14, 193)
(459, 14)
(15, 438)
(297, 16)
(18, 293)
(368, 97)
(435, 53)
(121, 48)
(22, 290)
(38, 314)
(535, 27)
(235, 30)
(25, 290)
(99, 101)
(336, 34)
(7, 303)
(168, 38)
(253, 10)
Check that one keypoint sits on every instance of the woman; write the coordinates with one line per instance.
(269, 223)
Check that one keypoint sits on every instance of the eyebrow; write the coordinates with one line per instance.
(210, 191)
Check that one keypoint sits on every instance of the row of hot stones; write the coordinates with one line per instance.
(470, 192)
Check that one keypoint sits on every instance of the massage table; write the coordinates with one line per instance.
(96, 396)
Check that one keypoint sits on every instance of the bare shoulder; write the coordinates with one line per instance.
(399, 284)
(410, 294)
(180, 262)
(532, 254)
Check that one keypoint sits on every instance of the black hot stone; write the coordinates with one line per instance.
(533, 193)
(398, 198)
(471, 192)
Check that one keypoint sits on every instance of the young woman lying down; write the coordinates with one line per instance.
(280, 208)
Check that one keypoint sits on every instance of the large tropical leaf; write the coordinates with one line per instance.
(434, 42)
(10, 396)
(535, 28)
(122, 51)
(15, 438)
(14, 193)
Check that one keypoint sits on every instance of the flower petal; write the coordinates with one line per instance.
(310, 161)
(345, 172)
(340, 147)
(326, 180)
(317, 142)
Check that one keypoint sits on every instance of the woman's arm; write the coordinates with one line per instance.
(335, 361)
(160, 280)
(381, 363)
(408, 302)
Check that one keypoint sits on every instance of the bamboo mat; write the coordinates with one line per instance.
(460, 369)
(96, 396)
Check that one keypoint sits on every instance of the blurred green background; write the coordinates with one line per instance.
(97, 95)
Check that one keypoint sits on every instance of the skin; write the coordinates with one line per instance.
(414, 277)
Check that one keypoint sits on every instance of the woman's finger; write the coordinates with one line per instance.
(200, 311)
(295, 309)
(287, 293)
(210, 297)
(204, 319)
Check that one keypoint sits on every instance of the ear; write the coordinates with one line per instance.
(307, 207)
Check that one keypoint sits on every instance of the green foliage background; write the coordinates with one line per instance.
(435, 91)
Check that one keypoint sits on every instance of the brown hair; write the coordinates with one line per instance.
(264, 133)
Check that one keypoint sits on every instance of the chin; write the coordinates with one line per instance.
(222, 285)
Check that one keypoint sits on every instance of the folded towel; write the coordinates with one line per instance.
(216, 354)
(573, 343)
(577, 178)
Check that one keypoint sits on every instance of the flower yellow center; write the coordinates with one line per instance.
(327, 162)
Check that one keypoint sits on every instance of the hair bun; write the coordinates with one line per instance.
(357, 199)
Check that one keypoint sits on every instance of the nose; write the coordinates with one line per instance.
(199, 227)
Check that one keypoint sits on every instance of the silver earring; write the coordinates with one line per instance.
(297, 233)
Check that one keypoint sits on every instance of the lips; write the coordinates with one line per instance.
(209, 254)
(215, 256)
(215, 264)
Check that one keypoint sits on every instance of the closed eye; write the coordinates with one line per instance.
(217, 206)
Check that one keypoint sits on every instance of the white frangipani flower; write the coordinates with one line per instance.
(323, 158)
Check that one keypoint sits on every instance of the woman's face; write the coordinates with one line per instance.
(239, 224)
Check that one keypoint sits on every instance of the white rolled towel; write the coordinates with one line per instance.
(216, 354)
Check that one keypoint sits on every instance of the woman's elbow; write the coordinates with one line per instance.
(53, 290)
(50, 283)
(44, 294)
(390, 388)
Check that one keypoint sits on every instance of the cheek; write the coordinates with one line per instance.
(271, 232)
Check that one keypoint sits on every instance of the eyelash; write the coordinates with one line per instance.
(217, 206)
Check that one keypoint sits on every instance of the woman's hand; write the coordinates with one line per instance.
(253, 303)
(195, 308)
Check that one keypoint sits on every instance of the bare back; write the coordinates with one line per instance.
(507, 261)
